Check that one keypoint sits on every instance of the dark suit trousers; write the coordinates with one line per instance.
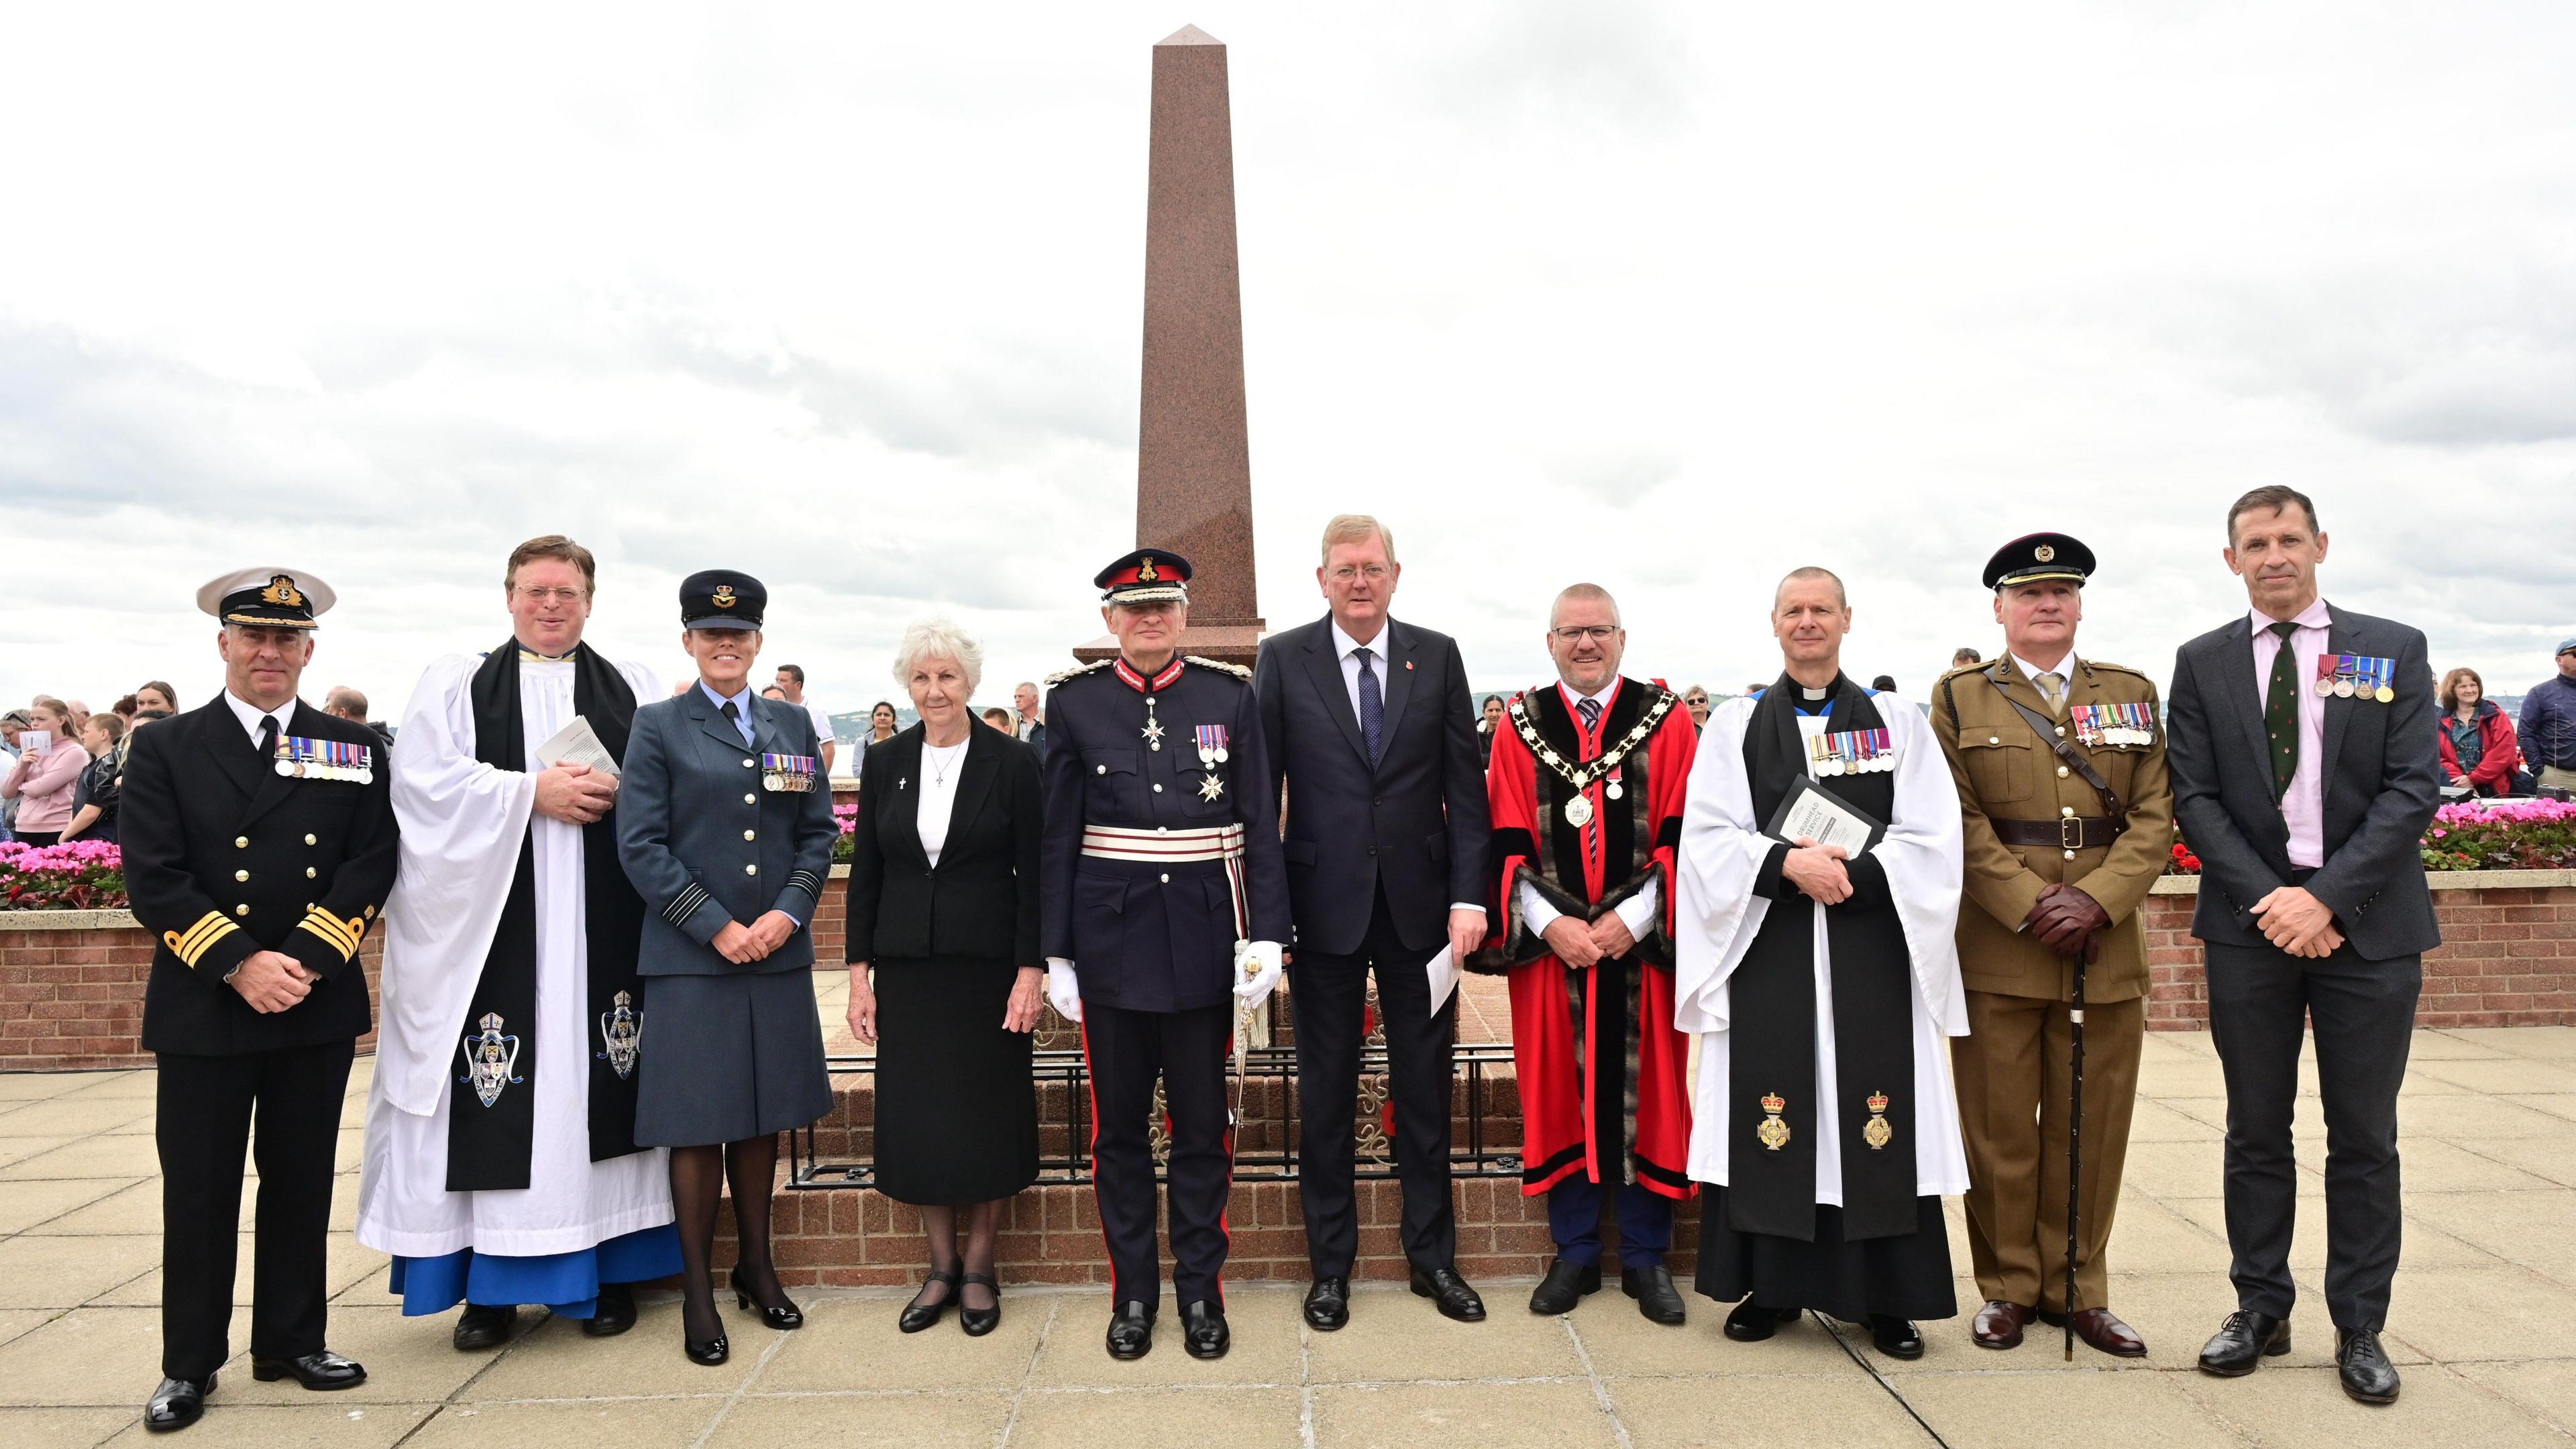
(207, 1105)
(1330, 996)
(2364, 1016)
(1126, 1051)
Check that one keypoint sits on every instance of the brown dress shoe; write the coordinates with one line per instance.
(2103, 1329)
(1999, 1324)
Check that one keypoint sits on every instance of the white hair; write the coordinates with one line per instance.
(938, 639)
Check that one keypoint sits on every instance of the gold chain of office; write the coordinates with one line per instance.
(1583, 776)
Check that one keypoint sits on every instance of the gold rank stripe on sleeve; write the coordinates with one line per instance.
(191, 947)
(343, 935)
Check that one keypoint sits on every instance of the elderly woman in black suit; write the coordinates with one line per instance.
(943, 913)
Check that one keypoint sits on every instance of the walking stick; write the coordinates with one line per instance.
(2075, 1143)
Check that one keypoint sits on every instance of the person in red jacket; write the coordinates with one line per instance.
(2478, 746)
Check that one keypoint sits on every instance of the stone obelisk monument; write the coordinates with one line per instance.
(1193, 457)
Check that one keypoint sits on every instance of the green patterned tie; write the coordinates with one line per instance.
(2281, 709)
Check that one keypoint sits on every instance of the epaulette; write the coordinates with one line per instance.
(1076, 672)
(1956, 670)
(2093, 664)
(1201, 660)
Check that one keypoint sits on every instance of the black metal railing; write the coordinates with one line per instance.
(1484, 1120)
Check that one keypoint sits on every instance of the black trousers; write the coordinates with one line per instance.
(2364, 1016)
(207, 1106)
(1331, 996)
(1188, 1050)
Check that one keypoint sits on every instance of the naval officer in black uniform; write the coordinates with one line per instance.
(259, 844)
(1163, 904)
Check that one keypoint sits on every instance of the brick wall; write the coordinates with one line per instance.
(71, 998)
(2507, 958)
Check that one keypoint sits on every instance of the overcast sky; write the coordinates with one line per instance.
(1668, 297)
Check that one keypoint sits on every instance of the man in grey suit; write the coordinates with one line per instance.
(2304, 768)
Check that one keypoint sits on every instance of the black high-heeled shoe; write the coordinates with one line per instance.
(979, 1321)
(706, 1352)
(917, 1315)
(782, 1319)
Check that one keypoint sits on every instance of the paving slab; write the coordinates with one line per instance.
(22, 1087)
(2482, 1313)
(1610, 1332)
(304, 1426)
(1998, 1411)
(1668, 1413)
(68, 1272)
(73, 1113)
(88, 1156)
(870, 1421)
(401, 1368)
(2546, 1389)
(102, 1357)
(2546, 1042)
(1263, 1321)
(2515, 1075)
(28, 1205)
(66, 1428)
(850, 1344)
(658, 1423)
(1395, 1335)
(552, 1359)
(1126, 1418)
(2308, 1406)
(1524, 1415)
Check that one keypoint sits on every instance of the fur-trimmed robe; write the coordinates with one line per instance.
(1584, 872)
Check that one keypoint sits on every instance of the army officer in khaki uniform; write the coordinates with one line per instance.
(2061, 768)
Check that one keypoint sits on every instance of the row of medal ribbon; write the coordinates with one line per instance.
(1853, 752)
(2349, 676)
(303, 759)
(794, 774)
(2113, 724)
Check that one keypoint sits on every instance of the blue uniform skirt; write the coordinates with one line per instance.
(567, 1283)
(729, 1057)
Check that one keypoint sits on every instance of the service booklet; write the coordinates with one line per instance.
(576, 744)
(1814, 814)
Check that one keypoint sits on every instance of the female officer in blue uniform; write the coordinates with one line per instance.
(1163, 903)
(724, 824)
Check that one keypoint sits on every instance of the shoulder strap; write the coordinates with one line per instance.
(2046, 729)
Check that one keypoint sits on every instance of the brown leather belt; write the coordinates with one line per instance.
(2073, 832)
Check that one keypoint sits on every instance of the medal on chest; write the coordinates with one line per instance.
(789, 774)
(1212, 753)
(303, 759)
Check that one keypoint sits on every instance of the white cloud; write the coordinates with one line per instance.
(1672, 297)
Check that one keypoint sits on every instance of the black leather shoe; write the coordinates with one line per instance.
(1449, 1293)
(320, 1372)
(1895, 1337)
(706, 1352)
(1656, 1296)
(177, 1404)
(1328, 1303)
(614, 1314)
(781, 1318)
(1131, 1331)
(482, 1326)
(2243, 1342)
(918, 1315)
(2363, 1366)
(1564, 1286)
(1203, 1331)
(979, 1321)
(1752, 1323)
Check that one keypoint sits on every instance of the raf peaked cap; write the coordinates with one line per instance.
(2039, 556)
(1148, 575)
(268, 597)
(722, 599)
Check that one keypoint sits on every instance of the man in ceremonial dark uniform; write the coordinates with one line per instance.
(2068, 819)
(259, 844)
(1163, 908)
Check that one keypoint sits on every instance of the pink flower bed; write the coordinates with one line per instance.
(2502, 835)
(78, 875)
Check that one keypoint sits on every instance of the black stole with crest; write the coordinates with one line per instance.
(489, 1141)
(1771, 1184)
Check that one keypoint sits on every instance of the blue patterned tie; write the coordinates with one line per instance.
(1372, 708)
(1591, 710)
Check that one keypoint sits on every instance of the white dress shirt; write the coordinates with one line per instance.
(2303, 807)
(250, 716)
(1346, 649)
(940, 767)
(1637, 912)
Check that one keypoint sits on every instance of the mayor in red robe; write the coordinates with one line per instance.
(1586, 786)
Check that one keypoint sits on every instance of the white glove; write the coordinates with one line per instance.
(1064, 988)
(1262, 958)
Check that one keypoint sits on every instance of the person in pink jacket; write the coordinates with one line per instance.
(43, 783)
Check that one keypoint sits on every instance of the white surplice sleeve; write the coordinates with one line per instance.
(1716, 914)
(462, 824)
(1922, 855)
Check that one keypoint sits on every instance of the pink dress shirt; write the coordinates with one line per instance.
(2303, 805)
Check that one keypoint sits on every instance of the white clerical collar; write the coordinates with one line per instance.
(250, 714)
(2063, 668)
(2314, 616)
(1343, 643)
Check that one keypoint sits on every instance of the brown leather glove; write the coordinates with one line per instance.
(2066, 921)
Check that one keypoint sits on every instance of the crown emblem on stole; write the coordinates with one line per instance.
(1773, 1104)
(1878, 1101)
(1773, 1133)
(281, 591)
(1878, 1133)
